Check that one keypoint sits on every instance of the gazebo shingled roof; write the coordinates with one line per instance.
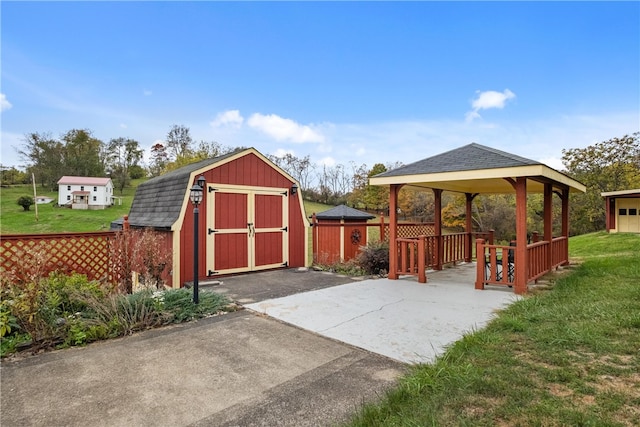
(475, 168)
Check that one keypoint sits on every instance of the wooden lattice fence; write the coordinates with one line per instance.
(84, 253)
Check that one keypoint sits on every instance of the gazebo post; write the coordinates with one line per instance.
(565, 222)
(394, 189)
(437, 224)
(468, 249)
(548, 223)
(520, 284)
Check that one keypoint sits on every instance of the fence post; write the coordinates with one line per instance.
(491, 233)
(314, 238)
(535, 237)
(422, 270)
(125, 223)
(480, 263)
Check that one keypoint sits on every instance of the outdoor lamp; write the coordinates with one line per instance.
(196, 195)
(294, 189)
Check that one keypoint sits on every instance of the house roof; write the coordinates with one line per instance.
(621, 193)
(344, 212)
(158, 202)
(476, 168)
(83, 180)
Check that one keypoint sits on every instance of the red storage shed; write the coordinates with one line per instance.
(251, 218)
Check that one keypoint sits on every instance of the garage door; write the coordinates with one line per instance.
(248, 229)
(629, 215)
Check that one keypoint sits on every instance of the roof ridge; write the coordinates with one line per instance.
(503, 153)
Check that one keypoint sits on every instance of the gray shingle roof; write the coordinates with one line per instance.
(344, 212)
(158, 202)
(469, 157)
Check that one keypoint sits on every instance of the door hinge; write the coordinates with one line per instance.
(211, 230)
(284, 229)
(285, 264)
(211, 189)
(286, 193)
(211, 273)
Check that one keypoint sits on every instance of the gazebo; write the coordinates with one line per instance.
(472, 170)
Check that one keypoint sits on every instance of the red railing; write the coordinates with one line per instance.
(411, 257)
(498, 259)
(559, 251)
(537, 260)
(495, 265)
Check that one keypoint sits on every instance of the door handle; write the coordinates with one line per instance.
(252, 230)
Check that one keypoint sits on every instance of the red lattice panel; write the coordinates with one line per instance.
(84, 253)
(407, 231)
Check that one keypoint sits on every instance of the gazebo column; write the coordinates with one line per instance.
(468, 248)
(394, 189)
(565, 222)
(437, 224)
(548, 223)
(521, 266)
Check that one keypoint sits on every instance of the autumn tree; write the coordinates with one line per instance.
(605, 166)
(159, 159)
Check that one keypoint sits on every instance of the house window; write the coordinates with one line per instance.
(82, 188)
(95, 198)
(68, 188)
(622, 211)
(95, 188)
(68, 197)
(633, 211)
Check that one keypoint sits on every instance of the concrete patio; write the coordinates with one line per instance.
(402, 319)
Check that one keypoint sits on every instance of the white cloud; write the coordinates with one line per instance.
(284, 129)
(486, 100)
(123, 126)
(4, 104)
(147, 92)
(228, 118)
(281, 152)
(327, 161)
(553, 162)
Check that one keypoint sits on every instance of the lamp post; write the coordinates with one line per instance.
(196, 196)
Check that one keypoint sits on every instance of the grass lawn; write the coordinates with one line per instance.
(565, 356)
(51, 219)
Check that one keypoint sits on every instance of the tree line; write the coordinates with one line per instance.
(605, 166)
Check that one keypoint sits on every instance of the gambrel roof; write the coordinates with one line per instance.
(475, 168)
(158, 202)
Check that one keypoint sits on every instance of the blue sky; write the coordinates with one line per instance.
(343, 82)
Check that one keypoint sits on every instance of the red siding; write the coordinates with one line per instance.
(248, 170)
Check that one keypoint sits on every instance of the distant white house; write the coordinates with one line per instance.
(81, 192)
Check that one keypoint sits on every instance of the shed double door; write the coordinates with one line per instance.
(248, 229)
(629, 215)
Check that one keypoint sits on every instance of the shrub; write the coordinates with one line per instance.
(25, 202)
(374, 258)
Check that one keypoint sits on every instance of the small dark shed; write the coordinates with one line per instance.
(338, 234)
(251, 218)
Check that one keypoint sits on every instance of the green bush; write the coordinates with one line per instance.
(374, 258)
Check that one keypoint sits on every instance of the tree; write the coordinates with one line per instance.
(299, 168)
(82, 153)
(605, 166)
(11, 176)
(124, 153)
(178, 142)
(44, 157)
(25, 202)
(159, 159)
